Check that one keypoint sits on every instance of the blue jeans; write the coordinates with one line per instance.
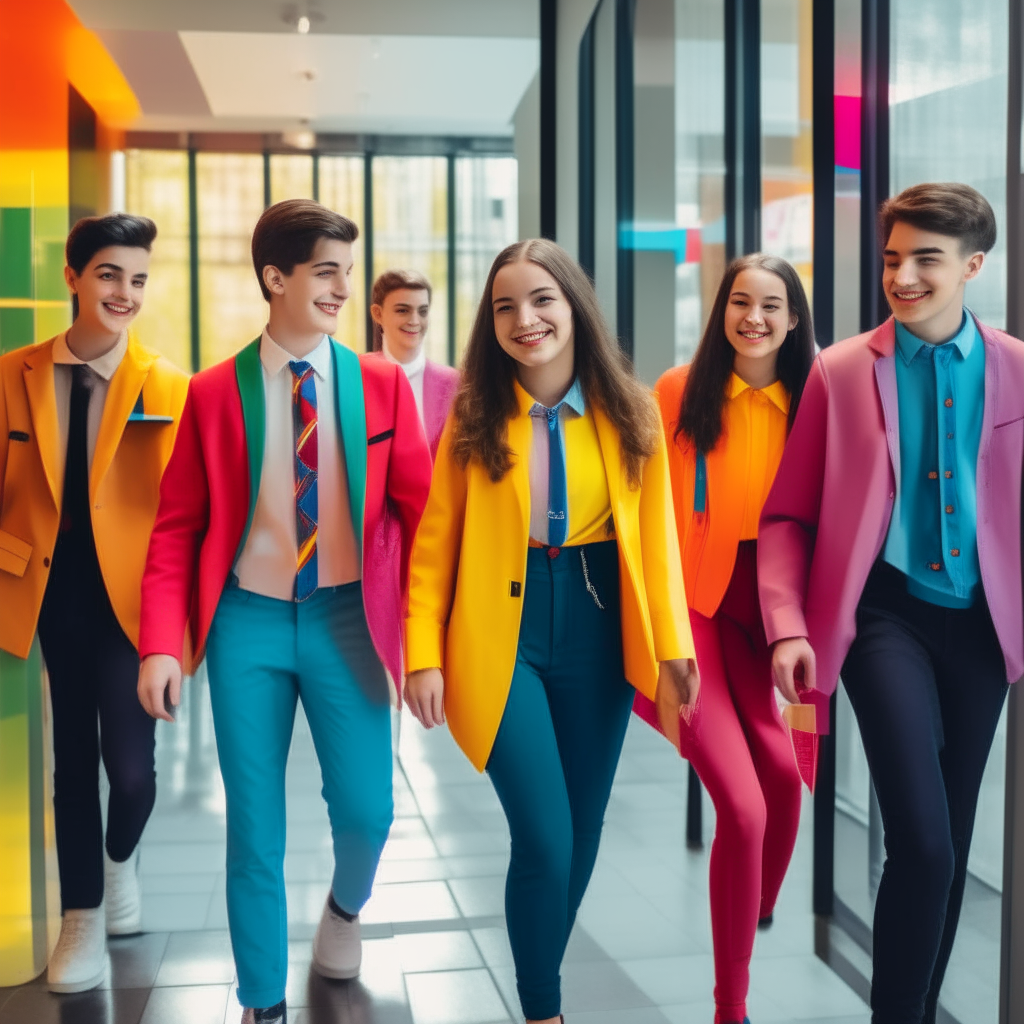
(263, 654)
(555, 755)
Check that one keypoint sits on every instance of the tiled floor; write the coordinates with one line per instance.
(435, 949)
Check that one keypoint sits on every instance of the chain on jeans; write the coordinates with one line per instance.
(586, 579)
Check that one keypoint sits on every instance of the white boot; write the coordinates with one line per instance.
(79, 960)
(122, 895)
(337, 946)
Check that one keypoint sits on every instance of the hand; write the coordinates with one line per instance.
(793, 667)
(678, 688)
(159, 674)
(424, 693)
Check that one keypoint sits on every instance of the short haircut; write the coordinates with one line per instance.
(393, 281)
(287, 233)
(946, 208)
(91, 234)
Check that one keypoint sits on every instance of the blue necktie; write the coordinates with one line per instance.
(558, 496)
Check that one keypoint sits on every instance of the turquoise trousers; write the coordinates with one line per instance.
(263, 655)
(556, 752)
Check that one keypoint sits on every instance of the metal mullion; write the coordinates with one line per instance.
(452, 242)
(195, 349)
(368, 244)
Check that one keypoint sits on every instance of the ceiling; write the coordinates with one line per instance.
(414, 67)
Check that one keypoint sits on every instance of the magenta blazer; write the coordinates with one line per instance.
(828, 512)
(439, 386)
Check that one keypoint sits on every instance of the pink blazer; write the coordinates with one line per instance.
(439, 386)
(828, 512)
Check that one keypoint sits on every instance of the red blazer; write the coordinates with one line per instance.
(208, 493)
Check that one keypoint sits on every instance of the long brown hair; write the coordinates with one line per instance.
(700, 412)
(486, 400)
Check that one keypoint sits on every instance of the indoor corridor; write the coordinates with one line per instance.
(435, 950)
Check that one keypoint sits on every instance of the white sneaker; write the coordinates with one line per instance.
(337, 946)
(122, 895)
(79, 960)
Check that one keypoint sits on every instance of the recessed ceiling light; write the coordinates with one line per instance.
(302, 25)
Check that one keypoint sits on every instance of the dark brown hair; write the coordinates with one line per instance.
(700, 412)
(486, 400)
(287, 233)
(90, 234)
(393, 281)
(947, 208)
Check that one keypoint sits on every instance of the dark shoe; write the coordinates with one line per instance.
(765, 922)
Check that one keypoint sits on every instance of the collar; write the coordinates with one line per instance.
(529, 406)
(275, 359)
(412, 367)
(908, 345)
(104, 366)
(776, 392)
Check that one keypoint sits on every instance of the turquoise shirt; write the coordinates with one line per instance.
(933, 533)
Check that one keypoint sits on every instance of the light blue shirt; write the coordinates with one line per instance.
(933, 532)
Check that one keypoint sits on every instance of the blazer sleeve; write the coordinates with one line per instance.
(168, 583)
(408, 480)
(663, 570)
(789, 520)
(435, 561)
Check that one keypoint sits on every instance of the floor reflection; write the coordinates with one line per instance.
(436, 950)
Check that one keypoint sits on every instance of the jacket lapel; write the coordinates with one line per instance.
(350, 404)
(249, 374)
(124, 391)
(883, 341)
(520, 438)
(42, 401)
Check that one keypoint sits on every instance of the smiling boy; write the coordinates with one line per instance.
(889, 548)
(287, 457)
(87, 423)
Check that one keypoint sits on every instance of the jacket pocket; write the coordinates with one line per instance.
(14, 554)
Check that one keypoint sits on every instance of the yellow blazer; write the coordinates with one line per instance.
(132, 448)
(464, 613)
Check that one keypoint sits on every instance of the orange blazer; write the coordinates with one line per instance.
(136, 435)
(708, 539)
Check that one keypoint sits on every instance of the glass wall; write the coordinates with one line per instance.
(787, 180)
(341, 189)
(410, 230)
(700, 165)
(486, 217)
(157, 187)
(409, 226)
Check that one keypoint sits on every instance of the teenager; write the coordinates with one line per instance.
(890, 549)
(546, 584)
(726, 418)
(400, 307)
(286, 457)
(87, 422)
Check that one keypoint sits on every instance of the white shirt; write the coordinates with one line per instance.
(268, 562)
(413, 372)
(103, 367)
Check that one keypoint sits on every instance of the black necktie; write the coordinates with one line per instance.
(75, 518)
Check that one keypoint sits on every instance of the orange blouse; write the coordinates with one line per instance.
(740, 472)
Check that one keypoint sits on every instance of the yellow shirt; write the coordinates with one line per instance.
(754, 421)
(589, 504)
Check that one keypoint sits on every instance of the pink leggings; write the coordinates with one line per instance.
(743, 755)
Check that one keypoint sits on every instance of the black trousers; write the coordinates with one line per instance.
(927, 685)
(93, 669)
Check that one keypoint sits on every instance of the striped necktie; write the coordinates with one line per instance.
(306, 502)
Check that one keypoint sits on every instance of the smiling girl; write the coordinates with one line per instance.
(546, 587)
(727, 415)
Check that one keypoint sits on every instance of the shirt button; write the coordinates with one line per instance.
(948, 403)
(935, 566)
(950, 436)
(949, 509)
(933, 475)
(955, 552)
(949, 474)
(46, 563)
